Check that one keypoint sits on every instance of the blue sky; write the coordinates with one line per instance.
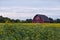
(23, 9)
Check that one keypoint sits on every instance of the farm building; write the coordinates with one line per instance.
(40, 19)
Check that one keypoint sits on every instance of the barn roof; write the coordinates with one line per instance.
(45, 18)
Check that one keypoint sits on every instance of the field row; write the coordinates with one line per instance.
(29, 31)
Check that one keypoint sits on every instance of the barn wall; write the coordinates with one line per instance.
(40, 19)
(37, 19)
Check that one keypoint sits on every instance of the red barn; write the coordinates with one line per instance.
(40, 19)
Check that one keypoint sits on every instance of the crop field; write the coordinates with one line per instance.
(29, 31)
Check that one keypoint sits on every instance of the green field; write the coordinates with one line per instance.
(29, 31)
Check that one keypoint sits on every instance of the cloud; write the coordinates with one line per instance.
(21, 16)
(23, 9)
(29, 12)
(30, 3)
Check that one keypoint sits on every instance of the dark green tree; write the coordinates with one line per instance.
(29, 20)
(57, 20)
(51, 20)
(17, 21)
(7, 20)
(12, 21)
(2, 19)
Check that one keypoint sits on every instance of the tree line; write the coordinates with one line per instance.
(8, 20)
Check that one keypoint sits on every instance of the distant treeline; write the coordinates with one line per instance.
(8, 20)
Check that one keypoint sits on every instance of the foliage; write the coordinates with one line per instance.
(29, 31)
(29, 20)
(8, 20)
(51, 20)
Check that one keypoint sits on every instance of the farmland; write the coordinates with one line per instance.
(29, 31)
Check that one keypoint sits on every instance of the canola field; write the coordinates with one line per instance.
(29, 31)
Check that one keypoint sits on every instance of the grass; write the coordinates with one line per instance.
(29, 31)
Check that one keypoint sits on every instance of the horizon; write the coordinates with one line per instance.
(27, 9)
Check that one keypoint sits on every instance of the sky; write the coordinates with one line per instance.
(26, 9)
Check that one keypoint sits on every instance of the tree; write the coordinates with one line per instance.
(12, 21)
(1, 19)
(7, 20)
(58, 20)
(51, 20)
(29, 20)
(17, 21)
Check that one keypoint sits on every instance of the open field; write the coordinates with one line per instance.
(29, 31)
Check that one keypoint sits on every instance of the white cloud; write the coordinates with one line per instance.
(29, 12)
